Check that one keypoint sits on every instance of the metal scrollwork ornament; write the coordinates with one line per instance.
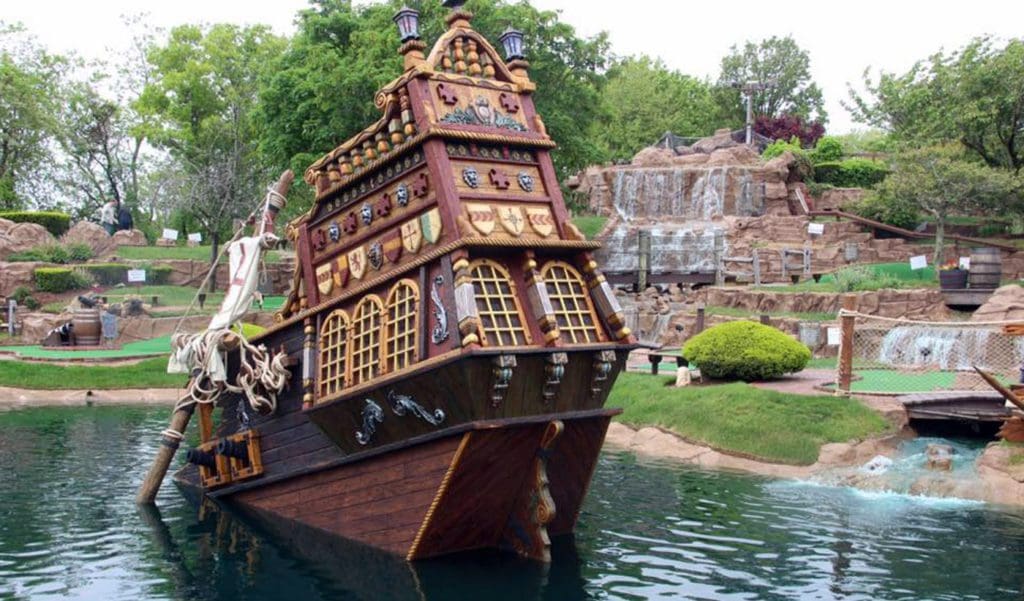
(372, 415)
(403, 404)
(440, 332)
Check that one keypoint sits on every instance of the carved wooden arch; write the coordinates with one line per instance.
(333, 347)
(447, 41)
(574, 311)
(402, 325)
(365, 339)
(501, 316)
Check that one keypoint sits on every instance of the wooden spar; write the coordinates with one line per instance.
(168, 445)
(179, 420)
(998, 386)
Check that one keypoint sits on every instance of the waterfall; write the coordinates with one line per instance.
(949, 348)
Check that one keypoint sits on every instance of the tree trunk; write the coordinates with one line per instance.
(214, 244)
(940, 232)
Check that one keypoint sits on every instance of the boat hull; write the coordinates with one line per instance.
(504, 484)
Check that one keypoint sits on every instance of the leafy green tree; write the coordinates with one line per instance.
(643, 99)
(783, 64)
(200, 108)
(974, 96)
(31, 82)
(941, 182)
(320, 91)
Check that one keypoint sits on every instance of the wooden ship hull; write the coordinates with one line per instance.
(451, 338)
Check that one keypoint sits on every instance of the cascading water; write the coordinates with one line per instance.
(950, 348)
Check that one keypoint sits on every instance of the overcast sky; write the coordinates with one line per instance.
(842, 38)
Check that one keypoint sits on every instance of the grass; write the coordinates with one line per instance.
(921, 278)
(740, 418)
(169, 295)
(590, 225)
(737, 312)
(193, 253)
(150, 373)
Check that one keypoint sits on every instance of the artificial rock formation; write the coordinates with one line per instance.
(19, 237)
(90, 234)
(1005, 304)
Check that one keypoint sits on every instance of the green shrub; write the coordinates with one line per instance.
(78, 252)
(158, 274)
(107, 274)
(745, 350)
(73, 253)
(56, 222)
(851, 173)
(828, 148)
(60, 279)
(778, 147)
(862, 278)
(817, 189)
(892, 211)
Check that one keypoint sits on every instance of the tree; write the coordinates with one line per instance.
(643, 99)
(941, 182)
(320, 91)
(974, 96)
(200, 106)
(787, 127)
(30, 92)
(778, 61)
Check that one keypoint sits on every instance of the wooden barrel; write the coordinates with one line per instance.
(87, 326)
(986, 267)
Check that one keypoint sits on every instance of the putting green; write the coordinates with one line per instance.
(153, 346)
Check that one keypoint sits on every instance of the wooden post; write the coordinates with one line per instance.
(168, 446)
(644, 259)
(845, 367)
(699, 326)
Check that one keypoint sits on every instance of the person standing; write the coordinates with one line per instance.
(108, 216)
(124, 218)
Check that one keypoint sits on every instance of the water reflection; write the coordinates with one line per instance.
(69, 529)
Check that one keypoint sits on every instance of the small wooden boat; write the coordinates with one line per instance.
(451, 338)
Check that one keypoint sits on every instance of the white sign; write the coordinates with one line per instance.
(918, 262)
(136, 276)
(196, 237)
(833, 336)
(965, 262)
(169, 234)
(816, 228)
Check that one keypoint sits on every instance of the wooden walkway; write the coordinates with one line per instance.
(957, 405)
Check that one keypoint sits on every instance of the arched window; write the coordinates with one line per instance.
(573, 311)
(500, 315)
(365, 344)
(402, 326)
(333, 348)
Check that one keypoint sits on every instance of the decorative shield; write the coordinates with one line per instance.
(481, 216)
(512, 220)
(540, 220)
(357, 262)
(430, 223)
(376, 255)
(324, 281)
(412, 235)
(341, 273)
(392, 242)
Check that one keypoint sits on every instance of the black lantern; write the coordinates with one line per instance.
(512, 40)
(408, 21)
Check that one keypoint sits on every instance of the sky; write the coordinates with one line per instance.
(842, 38)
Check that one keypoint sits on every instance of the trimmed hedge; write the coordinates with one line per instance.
(60, 279)
(158, 274)
(56, 222)
(745, 350)
(851, 173)
(107, 274)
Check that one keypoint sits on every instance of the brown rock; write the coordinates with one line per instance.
(13, 275)
(23, 236)
(128, 238)
(721, 139)
(35, 326)
(1005, 304)
(90, 234)
(653, 157)
(5, 224)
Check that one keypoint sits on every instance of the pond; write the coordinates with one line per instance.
(69, 529)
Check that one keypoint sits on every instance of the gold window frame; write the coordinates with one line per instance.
(401, 327)
(506, 324)
(334, 346)
(364, 343)
(574, 311)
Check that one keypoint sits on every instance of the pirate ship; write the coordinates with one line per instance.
(448, 340)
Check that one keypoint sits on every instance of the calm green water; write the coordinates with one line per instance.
(69, 529)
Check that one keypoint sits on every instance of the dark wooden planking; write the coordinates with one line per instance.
(570, 468)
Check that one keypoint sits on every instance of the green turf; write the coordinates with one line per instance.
(149, 373)
(193, 253)
(740, 418)
(590, 225)
(153, 346)
(737, 312)
(169, 295)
